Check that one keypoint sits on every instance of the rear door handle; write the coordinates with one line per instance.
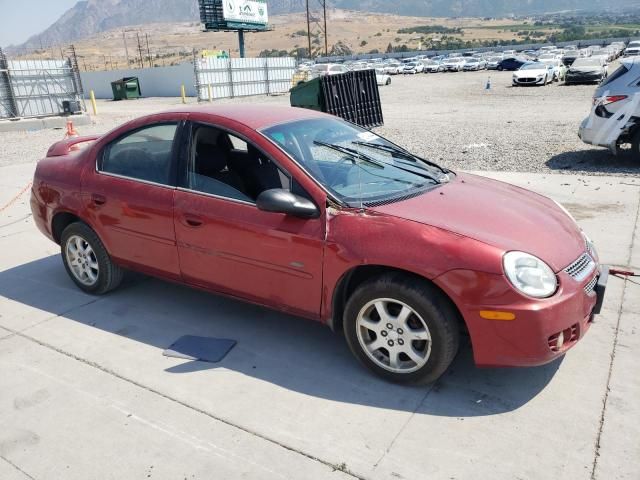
(98, 199)
(192, 221)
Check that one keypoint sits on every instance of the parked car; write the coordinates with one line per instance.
(492, 62)
(454, 64)
(433, 66)
(559, 70)
(615, 117)
(632, 51)
(474, 64)
(393, 68)
(382, 78)
(511, 64)
(569, 57)
(306, 213)
(534, 73)
(412, 68)
(585, 70)
(329, 69)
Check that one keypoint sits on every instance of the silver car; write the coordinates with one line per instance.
(614, 121)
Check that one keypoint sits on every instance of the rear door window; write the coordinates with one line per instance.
(145, 154)
(616, 75)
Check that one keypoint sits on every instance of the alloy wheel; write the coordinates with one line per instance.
(82, 260)
(393, 335)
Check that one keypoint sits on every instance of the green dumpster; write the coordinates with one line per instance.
(308, 95)
(353, 96)
(127, 88)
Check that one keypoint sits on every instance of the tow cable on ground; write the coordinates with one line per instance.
(622, 273)
(15, 199)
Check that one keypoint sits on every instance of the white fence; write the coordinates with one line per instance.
(241, 77)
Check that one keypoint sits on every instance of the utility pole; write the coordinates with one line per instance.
(326, 41)
(148, 50)
(308, 31)
(140, 50)
(126, 49)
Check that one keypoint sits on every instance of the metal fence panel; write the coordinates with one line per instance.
(37, 88)
(241, 77)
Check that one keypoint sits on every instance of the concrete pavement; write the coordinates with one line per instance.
(86, 393)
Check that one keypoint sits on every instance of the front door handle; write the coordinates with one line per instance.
(98, 199)
(192, 221)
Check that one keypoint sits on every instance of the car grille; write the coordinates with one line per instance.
(581, 268)
(588, 288)
(527, 80)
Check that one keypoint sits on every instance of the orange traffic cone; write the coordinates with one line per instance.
(71, 130)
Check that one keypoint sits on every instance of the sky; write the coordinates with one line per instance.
(23, 18)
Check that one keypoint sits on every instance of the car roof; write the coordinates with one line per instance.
(253, 116)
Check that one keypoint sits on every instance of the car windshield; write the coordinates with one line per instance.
(353, 164)
(587, 62)
(321, 68)
(533, 66)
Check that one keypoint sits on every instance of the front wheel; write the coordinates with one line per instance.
(87, 261)
(401, 328)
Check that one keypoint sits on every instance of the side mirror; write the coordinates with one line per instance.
(279, 200)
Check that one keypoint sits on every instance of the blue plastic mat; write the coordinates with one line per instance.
(205, 349)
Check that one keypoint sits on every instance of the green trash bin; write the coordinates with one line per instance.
(126, 88)
(353, 96)
(308, 95)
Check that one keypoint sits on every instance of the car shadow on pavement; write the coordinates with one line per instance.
(598, 160)
(289, 352)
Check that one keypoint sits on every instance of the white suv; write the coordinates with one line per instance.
(614, 121)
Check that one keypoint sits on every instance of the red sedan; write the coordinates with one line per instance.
(306, 213)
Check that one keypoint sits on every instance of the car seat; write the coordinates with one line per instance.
(212, 161)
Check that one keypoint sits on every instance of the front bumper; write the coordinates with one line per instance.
(583, 78)
(528, 81)
(531, 339)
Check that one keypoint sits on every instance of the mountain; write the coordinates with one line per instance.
(89, 17)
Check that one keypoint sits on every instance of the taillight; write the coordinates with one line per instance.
(611, 99)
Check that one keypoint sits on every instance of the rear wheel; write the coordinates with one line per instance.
(402, 329)
(87, 261)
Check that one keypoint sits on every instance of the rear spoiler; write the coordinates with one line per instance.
(68, 145)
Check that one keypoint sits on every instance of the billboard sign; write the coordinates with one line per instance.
(253, 12)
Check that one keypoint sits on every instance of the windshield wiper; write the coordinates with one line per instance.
(349, 151)
(400, 153)
(356, 154)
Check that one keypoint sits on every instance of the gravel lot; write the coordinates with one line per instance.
(449, 117)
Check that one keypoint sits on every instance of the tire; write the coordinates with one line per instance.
(431, 326)
(100, 274)
(388, 82)
(500, 68)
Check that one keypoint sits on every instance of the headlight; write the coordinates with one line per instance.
(529, 274)
(590, 246)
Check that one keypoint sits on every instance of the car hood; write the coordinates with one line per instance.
(530, 72)
(498, 214)
(585, 70)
